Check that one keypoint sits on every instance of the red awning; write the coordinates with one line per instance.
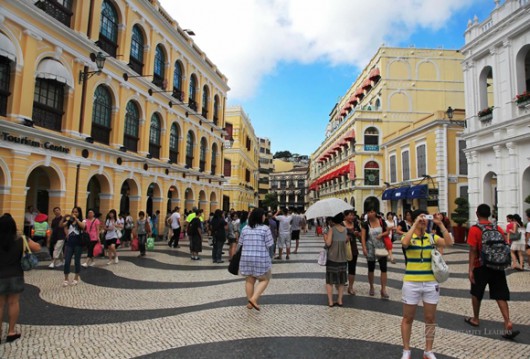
(374, 74)
(359, 92)
(350, 135)
(367, 84)
(343, 112)
(352, 100)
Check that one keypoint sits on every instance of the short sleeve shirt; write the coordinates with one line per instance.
(474, 239)
(175, 220)
(419, 259)
(528, 231)
(285, 223)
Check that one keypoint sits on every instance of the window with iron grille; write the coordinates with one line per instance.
(202, 155)
(101, 115)
(421, 160)
(178, 75)
(108, 32)
(48, 103)
(154, 136)
(132, 121)
(160, 63)
(371, 174)
(247, 176)
(174, 143)
(229, 130)
(193, 92)
(462, 160)
(216, 109)
(189, 149)
(136, 60)
(227, 168)
(406, 165)
(214, 158)
(61, 10)
(5, 78)
(205, 99)
(393, 169)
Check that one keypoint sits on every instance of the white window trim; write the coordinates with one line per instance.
(458, 139)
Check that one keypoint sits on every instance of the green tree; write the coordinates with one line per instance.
(461, 213)
(270, 200)
(527, 199)
(282, 154)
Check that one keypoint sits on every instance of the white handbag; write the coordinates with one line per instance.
(438, 265)
(323, 257)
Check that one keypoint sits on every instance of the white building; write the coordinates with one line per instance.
(497, 77)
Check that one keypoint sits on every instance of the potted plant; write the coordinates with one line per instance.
(485, 114)
(460, 216)
(522, 99)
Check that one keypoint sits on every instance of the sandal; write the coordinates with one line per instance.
(13, 337)
(372, 292)
(351, 291)
(74, 282)
(468, 321)
(384, 295)
(511, 334)
(254, 305)
(65, 283)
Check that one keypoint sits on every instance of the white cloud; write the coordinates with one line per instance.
(246, 39)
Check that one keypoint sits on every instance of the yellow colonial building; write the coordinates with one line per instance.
(241, 161)
(399, 86)
(265, 168)
(106, 104)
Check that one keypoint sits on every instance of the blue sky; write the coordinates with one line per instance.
(289, 61)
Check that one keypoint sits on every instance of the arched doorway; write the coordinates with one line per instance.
(93, 191)
(153, 199)
(39, 183)
(172, 196)
(202, 200)
(371, 203)
(490, 191)
(125, 203)
(213, 202)
(525, 186)
(189, 199)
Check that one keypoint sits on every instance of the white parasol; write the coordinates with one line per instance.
(328, 207)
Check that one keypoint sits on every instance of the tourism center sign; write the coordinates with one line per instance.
(32, 143)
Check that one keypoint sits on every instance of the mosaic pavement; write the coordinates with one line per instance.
(167, 306)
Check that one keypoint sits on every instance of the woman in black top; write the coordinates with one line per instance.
(11, 273)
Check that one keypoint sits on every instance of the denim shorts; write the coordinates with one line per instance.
(11, 285)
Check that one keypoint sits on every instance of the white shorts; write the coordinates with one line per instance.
(284, 240)
(414, 292)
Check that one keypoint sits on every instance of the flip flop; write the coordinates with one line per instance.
(468, 321)
(510, 335)
(253, 305)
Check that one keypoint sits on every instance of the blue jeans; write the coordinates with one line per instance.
(141, 242)
(72, 249)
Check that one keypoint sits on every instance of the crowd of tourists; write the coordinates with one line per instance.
(261, 237)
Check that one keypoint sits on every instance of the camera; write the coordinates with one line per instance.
(429, 217)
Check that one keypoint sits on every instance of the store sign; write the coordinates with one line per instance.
(32, 143)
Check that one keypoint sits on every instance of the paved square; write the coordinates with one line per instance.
(167, 306)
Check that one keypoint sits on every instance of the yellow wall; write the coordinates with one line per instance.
(27, 170)
(282, 166)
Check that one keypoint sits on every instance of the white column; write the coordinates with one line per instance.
(473, 178)
(441, 168)
(511, 179)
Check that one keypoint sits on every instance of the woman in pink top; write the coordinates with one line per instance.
(92, 228)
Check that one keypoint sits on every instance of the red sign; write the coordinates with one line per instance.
(352, 170)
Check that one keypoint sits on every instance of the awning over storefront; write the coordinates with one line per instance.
(400, 193)
(352, 100)
(387, 194)
(7, 48)
(367, 84)
(418, 191)
(53, 70)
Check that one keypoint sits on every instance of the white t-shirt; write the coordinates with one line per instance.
(528, 231)
(285, 223)
(175, 220)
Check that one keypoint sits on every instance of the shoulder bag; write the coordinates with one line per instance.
(438, 265)
(233, 267)
(323, 257)
(28, 260)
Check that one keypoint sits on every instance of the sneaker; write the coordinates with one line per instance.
(65, 283)
(116, 260)
(109, 263)
(92, 264)
(85, 265)
(74, 282)
(406, 354)
(60, 264)
(52, 265)
(429, 355)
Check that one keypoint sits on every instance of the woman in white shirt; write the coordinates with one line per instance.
(112, 225)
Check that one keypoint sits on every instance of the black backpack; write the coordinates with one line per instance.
(495, 252)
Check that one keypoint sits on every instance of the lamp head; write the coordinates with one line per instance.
(450, 112)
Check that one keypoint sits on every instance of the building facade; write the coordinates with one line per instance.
(241, 161)
(141, 131)
(497, 77)
(265, 168)
(398, 86)
(290, 187)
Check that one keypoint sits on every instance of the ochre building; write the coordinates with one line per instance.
(106, 104)
(399, 88)
(241, 162)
